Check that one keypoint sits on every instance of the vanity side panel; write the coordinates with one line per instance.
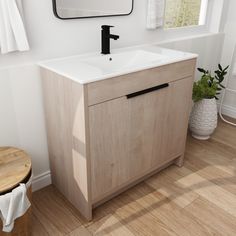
(188, 96)
(65, 103)
(109, 89)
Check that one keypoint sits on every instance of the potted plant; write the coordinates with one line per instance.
(203, 119)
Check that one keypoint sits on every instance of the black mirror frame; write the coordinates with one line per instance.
(54, 4)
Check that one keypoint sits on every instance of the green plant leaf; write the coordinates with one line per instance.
(226, 68)
(222, 86)
(209, 86)
(201, 70)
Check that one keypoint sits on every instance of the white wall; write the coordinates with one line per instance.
(22, 119)
(50, 37)
(229, 55)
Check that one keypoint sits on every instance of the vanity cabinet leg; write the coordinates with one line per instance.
(180, 161)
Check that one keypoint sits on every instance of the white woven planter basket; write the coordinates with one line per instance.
(203, 119)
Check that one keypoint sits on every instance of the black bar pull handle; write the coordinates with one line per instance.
(149, 90)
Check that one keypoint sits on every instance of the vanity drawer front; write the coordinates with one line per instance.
(109, 89)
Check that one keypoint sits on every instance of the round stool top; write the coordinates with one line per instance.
(15, 165)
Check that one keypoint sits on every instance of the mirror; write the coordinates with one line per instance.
(72, 9)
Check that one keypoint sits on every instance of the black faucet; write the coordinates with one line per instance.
(106, 36)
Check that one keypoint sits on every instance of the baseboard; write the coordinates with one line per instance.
(228, 110)
(41, 181)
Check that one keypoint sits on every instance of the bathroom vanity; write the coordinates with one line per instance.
(114, 120)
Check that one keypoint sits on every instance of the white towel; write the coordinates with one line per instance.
(12, 32)
(155, 13)
(12, 206)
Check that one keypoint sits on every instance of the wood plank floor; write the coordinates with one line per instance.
(197, 199)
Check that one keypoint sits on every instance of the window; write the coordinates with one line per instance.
(182, 13)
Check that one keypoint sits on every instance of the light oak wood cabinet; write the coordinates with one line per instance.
(106, 136)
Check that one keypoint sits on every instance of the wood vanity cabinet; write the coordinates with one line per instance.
(106, 136)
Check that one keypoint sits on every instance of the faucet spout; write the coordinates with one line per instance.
(115, 37)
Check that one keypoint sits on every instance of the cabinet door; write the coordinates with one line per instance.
(130, 137)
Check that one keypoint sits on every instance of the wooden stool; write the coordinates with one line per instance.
(15, 168)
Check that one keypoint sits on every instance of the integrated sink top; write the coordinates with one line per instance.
(124, 60)
(94, 67)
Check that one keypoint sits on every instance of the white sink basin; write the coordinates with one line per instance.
(94, 67)
(124, 60)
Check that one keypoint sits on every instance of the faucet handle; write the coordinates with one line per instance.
(107, 26)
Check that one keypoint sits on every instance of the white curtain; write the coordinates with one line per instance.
(155, 13)
(12, 31)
